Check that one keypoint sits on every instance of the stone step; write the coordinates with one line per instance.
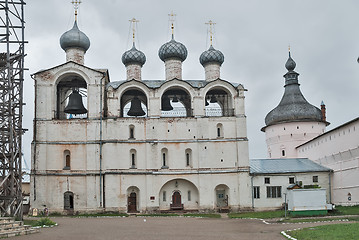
(19, 232)
(6, 219)
(7, 225)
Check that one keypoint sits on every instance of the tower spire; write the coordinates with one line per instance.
(133, 23)
(172, 19)
(76, 4)
(210, 30)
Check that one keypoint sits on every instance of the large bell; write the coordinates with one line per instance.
(166, 104)
(136, 108)
(75, 105)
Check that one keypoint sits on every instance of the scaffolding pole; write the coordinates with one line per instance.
(11, 102)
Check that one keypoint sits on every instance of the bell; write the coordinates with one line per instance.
(75, 105)
(213, 99)
(136, 108)
(175, 99)
(166, 104)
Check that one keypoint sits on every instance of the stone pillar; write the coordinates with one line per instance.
(212, 71)
(173, 69)
(133, 71)
(76, 55)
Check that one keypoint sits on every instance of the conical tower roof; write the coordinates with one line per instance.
(293, 107)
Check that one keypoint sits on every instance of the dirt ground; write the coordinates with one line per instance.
(158, 228)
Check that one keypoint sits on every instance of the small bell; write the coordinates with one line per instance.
(175, 99)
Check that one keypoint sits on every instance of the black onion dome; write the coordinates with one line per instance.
(293, 107)
(133, 56)
(290, 64)
(74, 38)
(172, 49)
(211, 56)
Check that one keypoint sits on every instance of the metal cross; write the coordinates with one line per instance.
(76, 4)
(172, 19)
(133, 23)
(211, 26)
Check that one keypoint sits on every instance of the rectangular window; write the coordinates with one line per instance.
(133, 163)
(274, 192)
(164, 196)
(267, 180)
(187, 159)
(291, 180)
(256, 192)
(315, 179)
(189, 195)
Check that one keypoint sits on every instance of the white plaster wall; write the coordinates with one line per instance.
(339, 150)
(287, 136)
(283, 180)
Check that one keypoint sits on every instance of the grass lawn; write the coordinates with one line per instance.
(158, 215)
(345, 210)
(202, 215)
(328, 232)
(41, 222)
(266, 214)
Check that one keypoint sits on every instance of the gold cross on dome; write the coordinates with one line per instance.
(76, 4)
(210, 30)
(133, 23)
(172, 19)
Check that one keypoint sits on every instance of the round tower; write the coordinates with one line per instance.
(294, 121)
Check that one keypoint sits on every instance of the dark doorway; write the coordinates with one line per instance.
(176, 201)
(69, 200)
(132, 203)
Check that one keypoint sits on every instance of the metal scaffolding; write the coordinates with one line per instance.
(11, 102)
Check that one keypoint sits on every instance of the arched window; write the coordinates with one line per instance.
(67, 160)
(132, 132)
(164, 156)
(188, 155)
(219, 130)
(133, 158)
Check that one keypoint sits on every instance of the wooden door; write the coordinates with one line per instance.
(132, 203)
(176, 201)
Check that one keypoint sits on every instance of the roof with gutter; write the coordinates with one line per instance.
(285, 165)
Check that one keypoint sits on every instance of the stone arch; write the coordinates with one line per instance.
(127, 97)
(176, 99)
(218, 101)
(188, 193)
(221, 192)
(67, 84)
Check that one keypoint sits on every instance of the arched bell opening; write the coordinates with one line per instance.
(218, 103)
(71, 98)
(133, 104)
(176, 102)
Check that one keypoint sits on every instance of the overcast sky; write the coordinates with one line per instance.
(253, 36)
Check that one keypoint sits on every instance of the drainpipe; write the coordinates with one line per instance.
(33, 171)
(101, 113)
(330, 188)
(252, 192)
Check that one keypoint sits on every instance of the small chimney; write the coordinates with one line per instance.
(322, 107)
